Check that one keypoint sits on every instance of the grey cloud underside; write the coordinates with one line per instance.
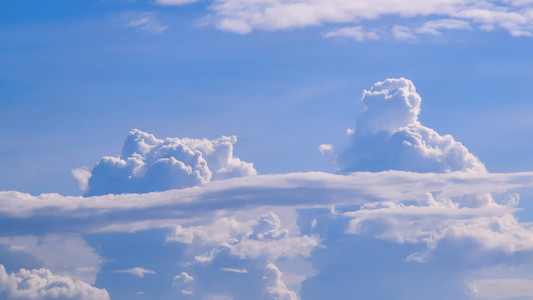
(26, 214)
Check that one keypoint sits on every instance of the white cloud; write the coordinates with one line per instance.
(333, 235)
(434, 27)
(183, 281)
(137, 271)
(143, 20)
(42, 284)
(245, 16)
(82, 175)
(357, 33)
(233, 270)
(496, 289)
(264, 237)
(388, 135)
(149, 164)
(401, 32)
(66, 255)
(276, 288)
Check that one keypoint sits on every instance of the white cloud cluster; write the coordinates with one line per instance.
(257, 242)
(42, 284)
(490, 225)
(315, 235)
(65, 255)
(149, 164)
(388, 135)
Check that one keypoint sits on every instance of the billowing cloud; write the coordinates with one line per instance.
(388, 135)
(149, 164)
(238, 235)
(42, 284)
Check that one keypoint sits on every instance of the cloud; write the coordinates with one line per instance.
(137, 271)
(357, 33)
(276, 288)
(242, 271)
(142, 20)
(65, 255)
(314, 235)
(433, 27)
(42, 284)
(496, 289)
(403, 33)
(149, 164)
(245, 16)
(388, 135)
(82, 176)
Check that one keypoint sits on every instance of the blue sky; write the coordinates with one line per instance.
(284, 77)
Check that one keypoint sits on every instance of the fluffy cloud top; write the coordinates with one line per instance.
(42, 284)
(149, 164)
(388, 135)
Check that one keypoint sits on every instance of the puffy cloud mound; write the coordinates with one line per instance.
(42, 284)
(148, 164)
(388, 135)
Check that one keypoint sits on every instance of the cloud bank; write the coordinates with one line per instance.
(406, 202)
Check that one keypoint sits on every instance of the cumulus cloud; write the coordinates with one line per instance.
(388, 135)
(42, 284)
(65, 255)
(137, 271)
(260, 238)
(314, 235)
(149, 164)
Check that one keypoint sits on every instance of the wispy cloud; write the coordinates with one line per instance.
(245, 16)
(142, 20)
(137, 271)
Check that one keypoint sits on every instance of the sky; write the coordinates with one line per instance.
(270, 149)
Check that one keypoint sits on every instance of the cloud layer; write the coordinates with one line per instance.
(203, 225)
